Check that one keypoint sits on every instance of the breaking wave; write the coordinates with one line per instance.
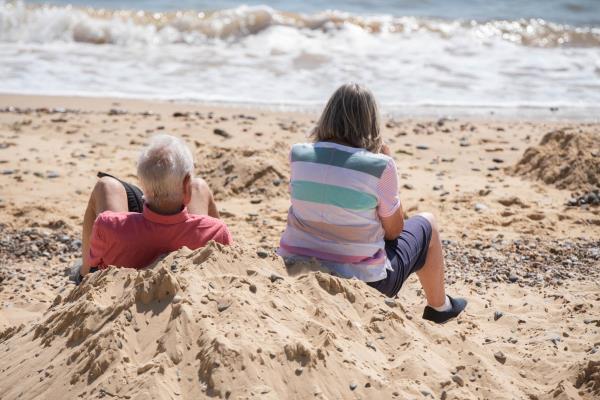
(46, 23)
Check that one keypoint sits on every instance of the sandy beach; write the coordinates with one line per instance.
(521, 229)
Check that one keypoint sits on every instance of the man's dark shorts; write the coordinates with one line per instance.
(135, 201)
(407, 254)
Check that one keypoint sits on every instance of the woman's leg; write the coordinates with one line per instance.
(431, 274)
(108, 194)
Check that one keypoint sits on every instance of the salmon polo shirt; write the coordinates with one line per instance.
(134, 240)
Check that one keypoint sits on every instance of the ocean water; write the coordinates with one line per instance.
(414, 54)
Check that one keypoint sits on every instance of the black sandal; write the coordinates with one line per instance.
(440, 317)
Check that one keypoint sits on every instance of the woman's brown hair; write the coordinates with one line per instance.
(350, 117)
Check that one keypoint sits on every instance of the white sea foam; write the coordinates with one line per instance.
(260, 55)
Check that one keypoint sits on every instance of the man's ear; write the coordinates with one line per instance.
(187, 190)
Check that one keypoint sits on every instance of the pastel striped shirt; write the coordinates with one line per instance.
(338, 194)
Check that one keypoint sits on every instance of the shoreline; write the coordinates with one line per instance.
(541, 113)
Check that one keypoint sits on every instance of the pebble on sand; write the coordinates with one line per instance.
(500, 357)
(479, 207)
(222, 133)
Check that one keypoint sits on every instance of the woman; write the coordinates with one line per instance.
(346, 212)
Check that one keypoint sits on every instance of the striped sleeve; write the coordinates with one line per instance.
(388, 200)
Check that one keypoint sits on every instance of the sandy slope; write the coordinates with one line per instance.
(159, 333)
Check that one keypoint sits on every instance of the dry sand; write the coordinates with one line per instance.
(233, 323)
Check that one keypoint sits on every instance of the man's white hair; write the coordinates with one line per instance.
(162, 167)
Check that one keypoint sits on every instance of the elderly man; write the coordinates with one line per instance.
(127, 228)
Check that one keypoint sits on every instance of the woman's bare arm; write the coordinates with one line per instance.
(393, 224)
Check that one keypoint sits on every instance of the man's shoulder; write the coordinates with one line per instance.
(203, 221)
(108, 219)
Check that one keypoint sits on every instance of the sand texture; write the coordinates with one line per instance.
(521, 234)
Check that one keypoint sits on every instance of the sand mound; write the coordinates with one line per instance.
(220, 322)
(567, 160)
(255, 173)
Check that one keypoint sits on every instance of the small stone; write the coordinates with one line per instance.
(422, 147)
(299, 370)
(252, 288)
(408, 186)
(262, 254)
(391, 303)
(222, 306)
(128, 315)
(479, 207)
(52, 175)
(353, 386)
(222, 133)
(458, 380)
(498, 160)
(255, 201)
(513, 278)
(498, 315)
(500, 357)
(274, 277)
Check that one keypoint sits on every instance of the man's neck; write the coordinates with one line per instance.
(165, 209)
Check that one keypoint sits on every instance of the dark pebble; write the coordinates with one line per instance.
(222, 133)
(262, 254)
(500, 357)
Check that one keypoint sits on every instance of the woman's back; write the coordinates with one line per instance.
(338, 194)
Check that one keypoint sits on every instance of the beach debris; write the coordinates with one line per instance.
(222, 133)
